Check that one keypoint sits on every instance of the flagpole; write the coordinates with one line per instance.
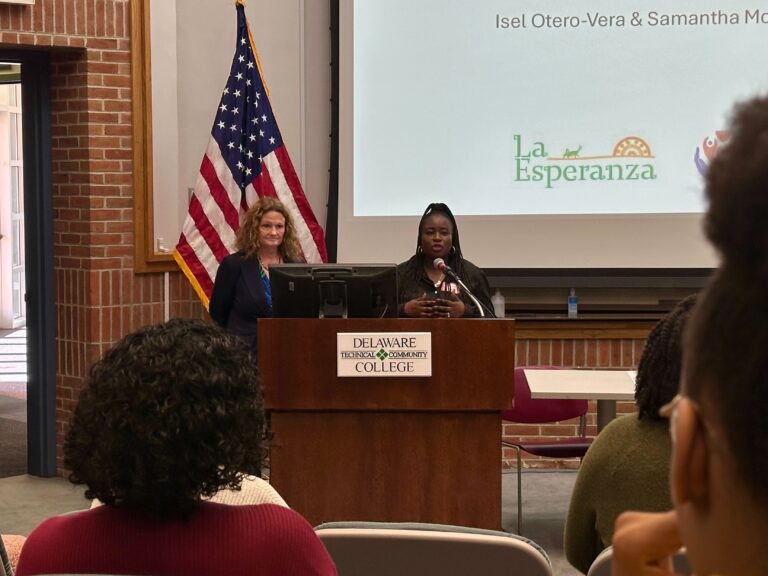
(253, 47)
(255, 52)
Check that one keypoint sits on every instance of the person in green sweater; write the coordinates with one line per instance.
(627, 466)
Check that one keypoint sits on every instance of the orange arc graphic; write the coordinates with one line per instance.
(632, 146)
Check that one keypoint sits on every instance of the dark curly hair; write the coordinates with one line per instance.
(726, 348)
(726, 367)
(172, 413)
(736, 186)
(658, 373)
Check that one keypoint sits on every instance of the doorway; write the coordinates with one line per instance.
(27, 318)
(13, 354)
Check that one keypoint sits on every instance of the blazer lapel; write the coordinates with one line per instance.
(252, 275)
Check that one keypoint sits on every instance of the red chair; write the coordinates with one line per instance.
(529, 411)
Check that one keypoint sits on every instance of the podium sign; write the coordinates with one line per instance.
(383, 354)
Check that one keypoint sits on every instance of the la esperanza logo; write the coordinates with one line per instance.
(706, 152)
(631, 159)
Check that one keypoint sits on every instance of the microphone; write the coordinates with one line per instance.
(440, 264)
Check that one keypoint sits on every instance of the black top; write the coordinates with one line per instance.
(413, 282)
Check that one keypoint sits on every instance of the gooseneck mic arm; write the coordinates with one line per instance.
(440, 264)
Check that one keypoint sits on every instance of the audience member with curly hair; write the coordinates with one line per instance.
(718, 423)
(627, 466)
(171, 415)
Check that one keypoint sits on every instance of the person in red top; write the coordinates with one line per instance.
(169, 416)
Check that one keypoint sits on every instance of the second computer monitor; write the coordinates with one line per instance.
(334, 290)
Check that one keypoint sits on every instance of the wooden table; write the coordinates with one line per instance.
(605, 386)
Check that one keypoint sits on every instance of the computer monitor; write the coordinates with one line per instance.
(334, 290)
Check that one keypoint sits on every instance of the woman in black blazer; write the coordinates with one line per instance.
(241, 293)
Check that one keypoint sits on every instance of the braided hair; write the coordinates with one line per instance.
(658, 373)
(454, 259)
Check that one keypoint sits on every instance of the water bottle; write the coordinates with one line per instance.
(573, 304)
(498, 304)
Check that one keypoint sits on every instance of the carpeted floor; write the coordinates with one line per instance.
(13, 448)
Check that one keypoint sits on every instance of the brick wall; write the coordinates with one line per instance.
(99, 298)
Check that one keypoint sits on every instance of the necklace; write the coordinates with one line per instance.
(266, 264)
(435, 276)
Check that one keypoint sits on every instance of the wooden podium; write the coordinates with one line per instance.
(395, 449)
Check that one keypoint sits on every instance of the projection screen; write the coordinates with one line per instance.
(563, 135)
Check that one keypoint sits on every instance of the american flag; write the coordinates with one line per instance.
(245, 160)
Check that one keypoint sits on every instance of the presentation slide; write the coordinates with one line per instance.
(562, 134)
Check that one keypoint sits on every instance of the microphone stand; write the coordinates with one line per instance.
(477, 302)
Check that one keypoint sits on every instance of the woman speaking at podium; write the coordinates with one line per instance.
(241, 292)
(430, 281)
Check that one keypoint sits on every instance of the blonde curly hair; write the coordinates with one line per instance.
(248, 234)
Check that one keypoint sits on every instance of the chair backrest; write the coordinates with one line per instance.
(530, 411)
(405, 549)
(602, 564)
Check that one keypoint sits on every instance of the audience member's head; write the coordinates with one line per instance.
(172, 413)
(658, 373)
(719, 427)
(720, 460)
(737, 190)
